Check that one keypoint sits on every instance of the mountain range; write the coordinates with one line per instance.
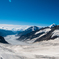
(40, 34)
(32, 43)
(31, 34)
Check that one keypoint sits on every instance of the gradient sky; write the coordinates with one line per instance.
(29, 12)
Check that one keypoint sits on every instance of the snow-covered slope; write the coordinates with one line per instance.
(45, 33)
(11, 39)
(39, 50)
(45, 30)
(55, 33)
(52, 25)
(28, 30)
(33, 33)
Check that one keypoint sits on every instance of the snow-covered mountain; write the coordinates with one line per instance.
(38, 50)
(31, 33)
(52, 25)
(45, 33)
(28, 30)
(12, 38)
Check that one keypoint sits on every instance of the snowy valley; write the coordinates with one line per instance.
(32, 43)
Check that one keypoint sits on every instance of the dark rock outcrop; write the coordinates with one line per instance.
(29, 30)
(46, 36)
(2, 40)
(31, 35)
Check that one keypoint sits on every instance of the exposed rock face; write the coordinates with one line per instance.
(29, 30)
(53, 25)
(47, 36)
(2, 40)
(40, 35)
(32, 35)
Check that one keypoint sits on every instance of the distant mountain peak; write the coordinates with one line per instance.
(33, 28)
(30, 29)
(52, 25)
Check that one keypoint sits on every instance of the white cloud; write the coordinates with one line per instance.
(13, 27)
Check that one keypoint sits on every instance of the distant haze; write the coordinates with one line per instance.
(13, 27)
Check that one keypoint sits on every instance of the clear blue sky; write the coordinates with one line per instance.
(29, 12)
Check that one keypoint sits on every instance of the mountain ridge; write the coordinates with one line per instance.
(44, 33)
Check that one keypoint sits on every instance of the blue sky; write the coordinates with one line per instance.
(29, 12)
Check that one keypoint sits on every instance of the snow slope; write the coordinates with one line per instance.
(55, 33)
(45, 30)
(52, 25)
(34, 35)
(45, 33)
(40, 50)
(28, 30)
(12, 40)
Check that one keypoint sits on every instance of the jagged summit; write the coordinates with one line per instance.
(33, 34)
(52, 25)
(32, 28)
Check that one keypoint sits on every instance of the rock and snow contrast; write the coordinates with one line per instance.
(52, 25)
(28, 30)
(45, 33)
(31, 43)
